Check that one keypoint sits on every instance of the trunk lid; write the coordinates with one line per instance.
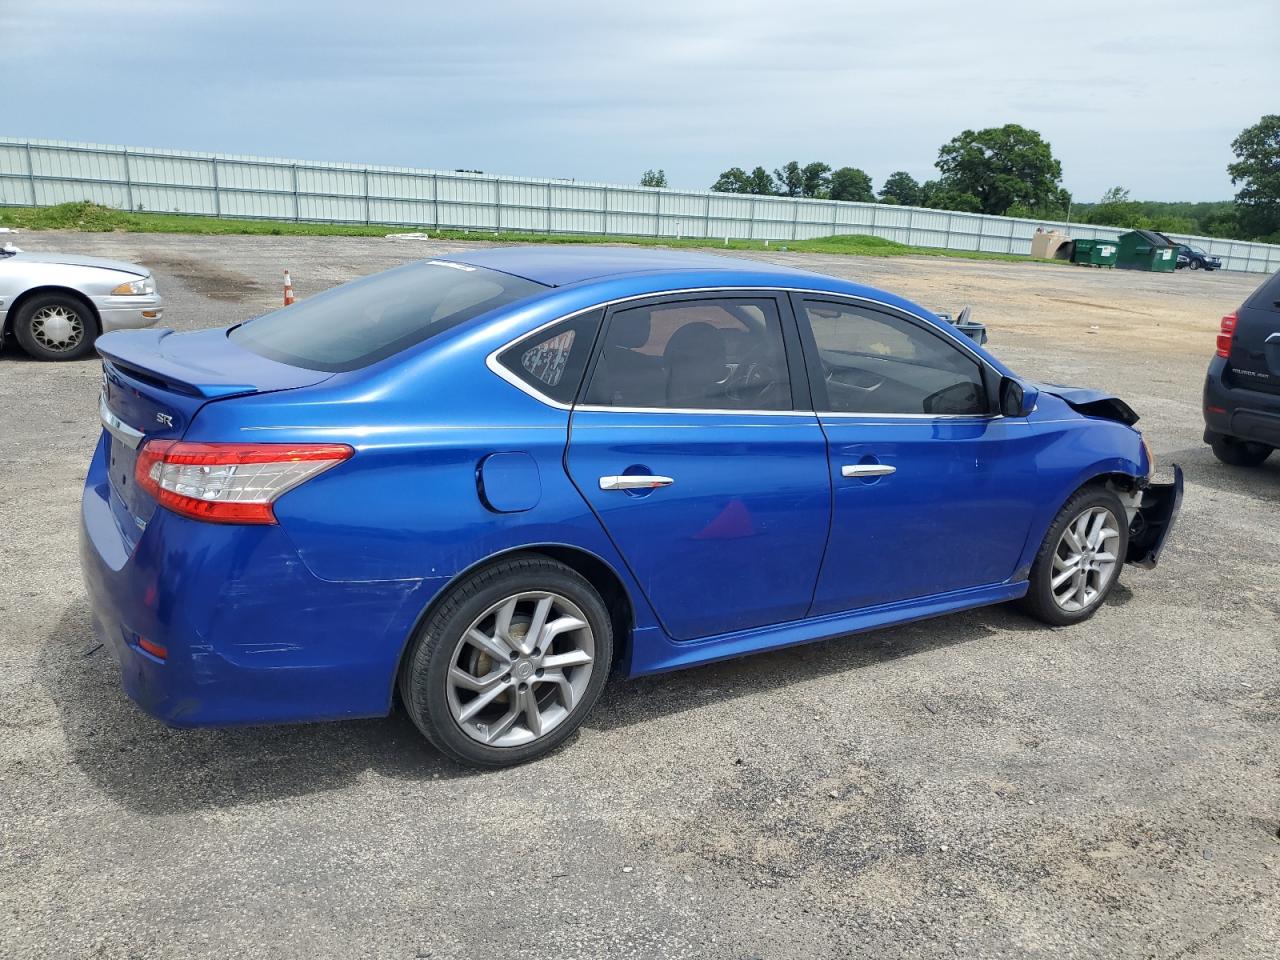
(1255, 350)
(153, 384)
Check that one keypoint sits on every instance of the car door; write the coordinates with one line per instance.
(930, 486)
(692, 446)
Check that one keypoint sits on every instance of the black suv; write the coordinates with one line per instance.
(1242, 390)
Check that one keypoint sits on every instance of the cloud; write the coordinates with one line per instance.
(602, 91)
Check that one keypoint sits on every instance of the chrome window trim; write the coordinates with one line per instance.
(846, 415)
(130, 436)
(492, 362)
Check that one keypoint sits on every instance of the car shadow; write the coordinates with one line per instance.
(153, 769)
(1203, 468)
(647, 698)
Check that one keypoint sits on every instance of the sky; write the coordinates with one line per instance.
(1143, 95)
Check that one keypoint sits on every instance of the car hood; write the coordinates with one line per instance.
(72, 260)
(1090, 402)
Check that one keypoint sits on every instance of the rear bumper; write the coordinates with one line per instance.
(250, 635)
(1242, 414)
(1149, 530)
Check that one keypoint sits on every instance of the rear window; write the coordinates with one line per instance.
(365, 321)
(1267, 296)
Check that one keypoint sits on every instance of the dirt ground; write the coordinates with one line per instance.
(975, 786)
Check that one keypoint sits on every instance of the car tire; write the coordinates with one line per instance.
(1045, 595)
(1240, 453)
(446, 650)
(56, 326)
(1194, 264)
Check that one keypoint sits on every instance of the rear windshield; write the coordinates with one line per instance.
(359, 323)
(1267, 296)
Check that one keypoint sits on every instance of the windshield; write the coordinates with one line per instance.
(359, 323)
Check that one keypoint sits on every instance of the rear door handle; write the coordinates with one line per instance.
(867, 470)
(634, 482)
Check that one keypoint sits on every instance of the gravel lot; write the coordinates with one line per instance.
(974, 786)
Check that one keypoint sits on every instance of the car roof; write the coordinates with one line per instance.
(558, 266)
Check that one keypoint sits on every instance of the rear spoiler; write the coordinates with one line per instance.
(203, 364)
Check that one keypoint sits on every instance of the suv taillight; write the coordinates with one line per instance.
(1225, 333)
(230, 482)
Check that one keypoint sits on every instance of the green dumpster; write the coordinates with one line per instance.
(1095, 253)
(1146, 250)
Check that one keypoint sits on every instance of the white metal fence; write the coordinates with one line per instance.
(47, 172)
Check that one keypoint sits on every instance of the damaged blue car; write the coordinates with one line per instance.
(479, 485)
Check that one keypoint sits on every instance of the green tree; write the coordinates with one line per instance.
(850, 183)
(1001, 166)
(733, 180)
(654, 178)
(817, 179)
(1257, 170)
(789, 180)
(938, 196)
(760, 182)
(901, 187)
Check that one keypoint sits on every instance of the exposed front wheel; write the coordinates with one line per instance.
(1240, 453)
(510, 663)
(55, 326)
(1194, 264)
(1079, 561)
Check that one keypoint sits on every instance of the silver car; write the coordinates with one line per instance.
(55, 305)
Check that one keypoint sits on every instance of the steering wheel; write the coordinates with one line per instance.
(753, 380)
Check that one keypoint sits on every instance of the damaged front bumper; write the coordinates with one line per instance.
(1150, 525)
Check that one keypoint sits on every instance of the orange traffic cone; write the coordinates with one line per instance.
(288, 289)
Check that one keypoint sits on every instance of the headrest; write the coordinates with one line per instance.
(630, 328)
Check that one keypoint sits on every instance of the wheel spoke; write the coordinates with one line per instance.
(502, 623)
(1082, 585)
(558, 626)
(1096, 524)
(574, 658)
(533, 638)
(568, 696)
(461, 678)
(1105, 557)
(488, 644)
(481, 700)
(532, 715)
(494, 731)
(1063, 577)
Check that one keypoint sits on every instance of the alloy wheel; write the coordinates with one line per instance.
(520, 669)
(57, 327)
(1084, 561)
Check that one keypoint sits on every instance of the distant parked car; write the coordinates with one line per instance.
(488, 481)
(56, 305)
(1242, 390)
(1193, 258)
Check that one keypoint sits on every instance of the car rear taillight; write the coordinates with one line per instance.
(1225, 333)
(230, 482)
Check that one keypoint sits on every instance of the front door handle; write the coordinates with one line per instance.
(867, 470)
(634, 482)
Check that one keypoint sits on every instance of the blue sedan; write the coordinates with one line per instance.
(485, 482)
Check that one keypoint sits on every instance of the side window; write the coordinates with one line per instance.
(723, 354)
(875, 362)
(553, 360)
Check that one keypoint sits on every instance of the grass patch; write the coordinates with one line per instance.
(93, 218)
